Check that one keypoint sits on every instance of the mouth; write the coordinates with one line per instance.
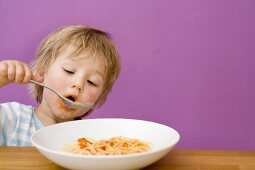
(72, 98)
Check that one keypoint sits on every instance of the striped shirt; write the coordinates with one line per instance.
(17, 123)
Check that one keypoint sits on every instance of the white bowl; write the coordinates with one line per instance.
(50, 141)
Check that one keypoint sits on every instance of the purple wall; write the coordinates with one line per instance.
(187, 64)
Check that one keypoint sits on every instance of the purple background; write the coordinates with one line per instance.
(187, 64)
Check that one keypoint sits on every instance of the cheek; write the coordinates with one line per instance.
(92, 95)
(57, 83)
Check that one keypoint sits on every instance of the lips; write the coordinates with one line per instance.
(63, 106)
(71, 97)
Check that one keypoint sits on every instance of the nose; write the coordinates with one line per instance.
(77, 87)
(78, 84)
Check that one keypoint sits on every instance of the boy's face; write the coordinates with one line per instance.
(80, 78)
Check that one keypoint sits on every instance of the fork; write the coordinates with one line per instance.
(65, 100)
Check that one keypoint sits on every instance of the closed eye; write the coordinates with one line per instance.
(68, 71)
(91, 83)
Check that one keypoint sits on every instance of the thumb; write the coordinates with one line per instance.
(38, 77)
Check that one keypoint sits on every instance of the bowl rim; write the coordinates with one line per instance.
(60, 153)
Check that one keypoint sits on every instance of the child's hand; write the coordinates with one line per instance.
(14, 71)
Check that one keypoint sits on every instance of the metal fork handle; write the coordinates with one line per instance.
(40, 84)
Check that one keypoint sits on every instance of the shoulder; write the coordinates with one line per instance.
(14, 109)
(14, 106)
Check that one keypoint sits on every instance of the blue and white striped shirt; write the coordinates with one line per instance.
(17, 123)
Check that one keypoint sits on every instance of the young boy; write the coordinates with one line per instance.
(79, 62)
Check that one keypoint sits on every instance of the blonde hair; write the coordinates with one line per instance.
(84, 37)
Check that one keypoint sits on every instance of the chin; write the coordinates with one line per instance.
(65, 116)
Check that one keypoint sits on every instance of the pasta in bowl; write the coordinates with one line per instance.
(106, 143)
(113, 146)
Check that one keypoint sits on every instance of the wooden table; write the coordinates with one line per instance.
(178, 159)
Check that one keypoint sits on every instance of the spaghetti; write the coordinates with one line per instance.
(112, 146)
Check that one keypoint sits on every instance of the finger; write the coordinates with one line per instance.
(20, 73)
(11, 72)
(28, 74)
(39, 78)
(3, 69)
